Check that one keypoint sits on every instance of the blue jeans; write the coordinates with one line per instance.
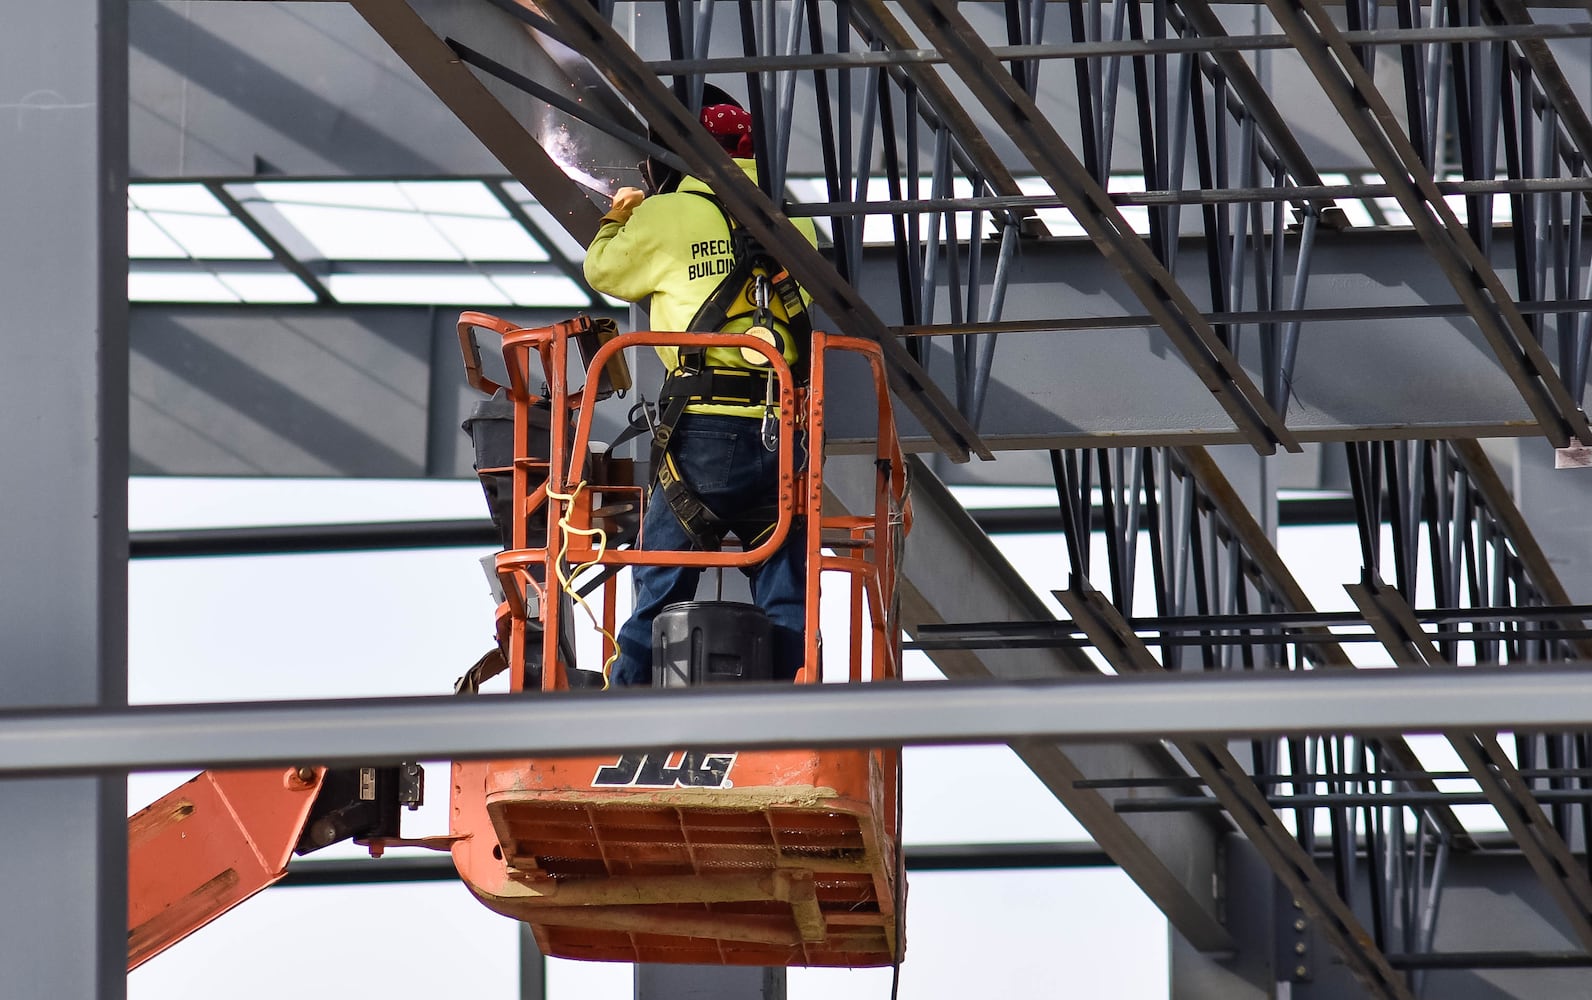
(724, 461)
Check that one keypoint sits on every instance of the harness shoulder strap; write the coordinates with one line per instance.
(715, 309)
(752, 259)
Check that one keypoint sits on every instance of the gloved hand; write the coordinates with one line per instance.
(625, 201)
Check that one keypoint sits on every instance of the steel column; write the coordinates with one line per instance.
(63, 539)
(708, 982)
(533, 964)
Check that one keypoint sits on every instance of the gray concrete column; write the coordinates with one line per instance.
(1555, 503)
(63, 481)
(709, 982)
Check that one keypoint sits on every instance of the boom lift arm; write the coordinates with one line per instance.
(222, 837)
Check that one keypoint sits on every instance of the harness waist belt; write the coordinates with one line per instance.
(726, 386)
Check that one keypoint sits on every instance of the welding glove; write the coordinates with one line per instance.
(625, 201)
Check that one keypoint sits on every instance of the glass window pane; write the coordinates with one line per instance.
(347, 233)
(1031, 933)
(551, 228)
(263, 288)
(350, 194)
(147, 240)
(421, 289)
(535, 290)
(453, 198)
(212, 237)
(407, 940)
(161, 286)
(190, 199)
(978, 795)
(164, 502)
(488, 239)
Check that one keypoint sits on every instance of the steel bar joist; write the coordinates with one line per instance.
(444, 65)
(1014, 111)
(417, 42)
(1482, 481)
(1564, 875)
(1394, 754)
(1213, 566)
(1457, 535)
(1348, 84)
(1316, 891)
(1435, 518)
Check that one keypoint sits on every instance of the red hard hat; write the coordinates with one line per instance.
(731, 126)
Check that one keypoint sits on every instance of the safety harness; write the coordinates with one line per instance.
(755, 282)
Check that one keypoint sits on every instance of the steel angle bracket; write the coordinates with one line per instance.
(1014, 111)
(584, 29)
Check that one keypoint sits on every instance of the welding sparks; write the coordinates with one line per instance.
(562, 148)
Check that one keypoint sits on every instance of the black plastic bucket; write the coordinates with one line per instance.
(711, 642)
(491, 429)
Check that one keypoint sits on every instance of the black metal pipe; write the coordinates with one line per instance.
(1339, 800)
(924, 858)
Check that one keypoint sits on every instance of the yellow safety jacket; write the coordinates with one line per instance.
(675, 250)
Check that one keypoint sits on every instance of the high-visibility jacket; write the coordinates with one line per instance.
(675, 250)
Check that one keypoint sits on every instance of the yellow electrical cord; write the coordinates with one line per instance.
(566, 529)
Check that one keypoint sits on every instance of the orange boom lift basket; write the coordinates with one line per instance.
(701, 855)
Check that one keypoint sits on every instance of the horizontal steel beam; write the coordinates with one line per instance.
(190, 543)
(1444, 34)
(1154, 707)
(919, 858)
